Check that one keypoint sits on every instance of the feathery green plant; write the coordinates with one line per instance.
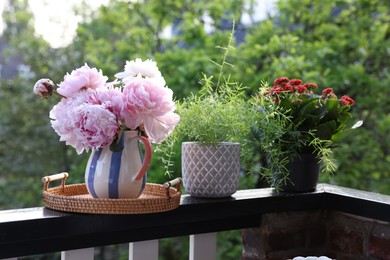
(219, 112)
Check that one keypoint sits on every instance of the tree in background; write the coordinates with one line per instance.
(172, 33)
(28, 148)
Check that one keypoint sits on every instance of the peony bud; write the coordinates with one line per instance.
(44, 88)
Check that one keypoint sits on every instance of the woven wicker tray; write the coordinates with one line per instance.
(75, 198)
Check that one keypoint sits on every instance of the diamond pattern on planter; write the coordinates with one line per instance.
(210, 171)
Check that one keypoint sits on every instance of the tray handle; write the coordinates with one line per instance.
(59, 176)
(175, 182)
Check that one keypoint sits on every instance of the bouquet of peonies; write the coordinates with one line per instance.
(325, 115)
(92, 112)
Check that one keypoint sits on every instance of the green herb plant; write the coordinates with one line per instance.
(219, 112)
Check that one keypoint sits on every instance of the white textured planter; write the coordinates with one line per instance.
(210, 171)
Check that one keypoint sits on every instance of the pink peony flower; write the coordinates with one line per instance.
(84, 125)
(148, 103)
(158, 128)
(146, 69)
(110, 97)
(43, 88)
(62, 122)
(81, 79)
(95, 126)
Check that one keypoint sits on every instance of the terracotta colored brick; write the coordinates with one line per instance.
(284, 240)
(379, 247)
(284, 220)
(347, 241)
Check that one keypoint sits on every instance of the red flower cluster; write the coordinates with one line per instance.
(345, 100)
(323, 115)
(327, 91)
(284, 85)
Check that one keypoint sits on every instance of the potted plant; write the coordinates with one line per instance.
(111, 118)
(213, 130)
(298, 131)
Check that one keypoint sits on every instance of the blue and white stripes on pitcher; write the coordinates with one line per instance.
(119, 174)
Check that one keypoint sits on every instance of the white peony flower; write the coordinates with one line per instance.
(146, 69)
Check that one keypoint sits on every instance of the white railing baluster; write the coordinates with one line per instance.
(144, 250)
(203, 246)
(84, 253)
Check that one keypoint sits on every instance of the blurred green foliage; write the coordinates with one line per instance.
(342, 44)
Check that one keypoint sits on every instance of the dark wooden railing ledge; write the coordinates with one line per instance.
(41, 230)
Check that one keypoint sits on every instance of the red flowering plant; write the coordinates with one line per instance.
(325, 115)
(297, 121)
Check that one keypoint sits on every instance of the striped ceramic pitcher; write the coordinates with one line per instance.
(120, 174)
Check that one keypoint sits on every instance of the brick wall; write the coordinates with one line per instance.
(315, 233)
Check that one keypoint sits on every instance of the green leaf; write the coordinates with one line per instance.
(326, 130)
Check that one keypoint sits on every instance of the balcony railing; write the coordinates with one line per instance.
(33, 231)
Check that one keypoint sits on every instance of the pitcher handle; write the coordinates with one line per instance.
(147, 157)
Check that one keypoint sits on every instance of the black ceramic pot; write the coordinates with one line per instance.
(304, 173)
